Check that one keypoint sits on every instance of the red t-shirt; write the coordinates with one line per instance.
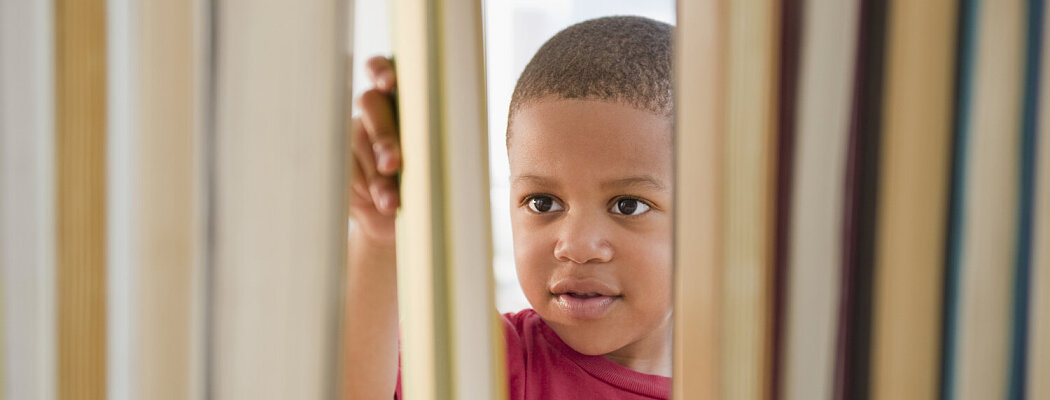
(541, 366)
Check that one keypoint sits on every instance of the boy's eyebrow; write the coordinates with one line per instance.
(641, 180)
(539, 180)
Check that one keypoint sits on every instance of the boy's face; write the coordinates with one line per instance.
(591, 215)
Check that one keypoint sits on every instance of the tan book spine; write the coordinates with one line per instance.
(913, 196)
(700, 71)
(749, 197)
(80, 147)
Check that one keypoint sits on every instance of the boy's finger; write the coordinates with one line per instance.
(362, 151)
(384, 195)
(361, 197)
(377, 117)
(360, 184)
(381, 72)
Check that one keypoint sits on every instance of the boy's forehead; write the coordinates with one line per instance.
(589, 139)
(583, 120)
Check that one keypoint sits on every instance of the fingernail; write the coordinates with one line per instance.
(382, 152)
(385, 201)
(383, 82)
(383, 162)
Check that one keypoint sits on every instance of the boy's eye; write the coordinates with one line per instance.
(544, 204)
(629, 206)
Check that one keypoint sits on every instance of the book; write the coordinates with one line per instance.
(1038, 351)
(983, 250)
(443, 243)
(700, 71)
(1026, 165)
(27, 200)
(277, 199)
(787, 92)
(853, 333)
(750, 158)
(155, 200)
(827, 50)
(80, 202)
(912, 201)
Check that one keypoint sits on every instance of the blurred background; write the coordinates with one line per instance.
(863, 204)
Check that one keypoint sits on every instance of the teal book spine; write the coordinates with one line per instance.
(965, 59)
(1023, 254)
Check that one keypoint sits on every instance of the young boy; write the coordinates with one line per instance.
(589, 140)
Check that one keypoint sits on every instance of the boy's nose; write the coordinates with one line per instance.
(581, 241)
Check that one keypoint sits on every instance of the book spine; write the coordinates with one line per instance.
(1023, 252)
(790, 32)
(965, 49)
(986, 252)
(1038, 351)
(852, 364)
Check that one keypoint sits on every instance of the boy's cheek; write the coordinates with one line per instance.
(530, 235)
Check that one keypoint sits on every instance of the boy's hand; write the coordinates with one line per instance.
(374, 195)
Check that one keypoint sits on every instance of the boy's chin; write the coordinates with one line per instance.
(591, 337)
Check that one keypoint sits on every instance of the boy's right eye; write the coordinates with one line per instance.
(544, 204)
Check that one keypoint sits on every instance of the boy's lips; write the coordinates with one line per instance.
(584, 298)
(584, 307)
(586, 287)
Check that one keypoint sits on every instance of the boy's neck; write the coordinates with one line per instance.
(650, 355)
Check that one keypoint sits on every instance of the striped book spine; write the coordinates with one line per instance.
(987, 209)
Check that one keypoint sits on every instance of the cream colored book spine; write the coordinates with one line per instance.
(828, 51)
(700, 70)
(452, 344)
(155, 209)
(990, 204)
(278, 199)
(27, 200)
(753, 61)
(913, 198)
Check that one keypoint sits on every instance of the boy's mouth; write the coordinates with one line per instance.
(582, 295)
(583, 288)
(584, 305)
(584, 298)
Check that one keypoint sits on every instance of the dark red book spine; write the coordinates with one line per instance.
(853, 355)
(790, 37)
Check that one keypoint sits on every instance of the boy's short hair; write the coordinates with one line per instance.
(623, 59)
